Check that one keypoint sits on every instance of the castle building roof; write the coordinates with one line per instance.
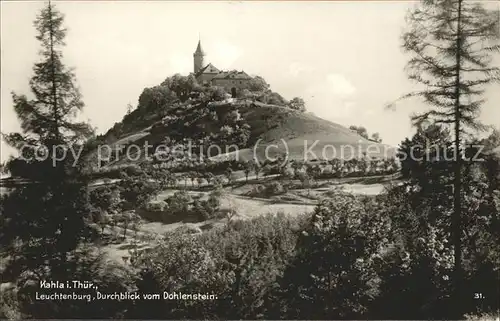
(208, 69)
(233, 74)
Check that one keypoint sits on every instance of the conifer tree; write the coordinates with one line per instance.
(43, 222)
(452, 43)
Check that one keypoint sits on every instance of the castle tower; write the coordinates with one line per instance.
(198, 57)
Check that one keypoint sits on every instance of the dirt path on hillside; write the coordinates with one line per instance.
(249, 208)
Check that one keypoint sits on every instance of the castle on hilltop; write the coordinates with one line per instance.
(209, 74)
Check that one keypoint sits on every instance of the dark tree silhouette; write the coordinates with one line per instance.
(42, 223)
(451, 43)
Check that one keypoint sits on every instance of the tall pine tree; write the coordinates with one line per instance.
(452, 43)
(43, 222)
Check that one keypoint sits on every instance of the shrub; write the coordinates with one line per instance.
(127, 219)
(105, 199)
(207, 209)
(257, 190)
(155, 206)
(9, 304)
(216, 93)
(275, 188)
(178, 204)
(270, 189)
(482, 317)
(133, 170)
(297, 103)
(137, 191)
(245, 94)
(188, 229)
(270, 97)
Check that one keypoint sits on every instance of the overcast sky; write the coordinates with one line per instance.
(343, 58)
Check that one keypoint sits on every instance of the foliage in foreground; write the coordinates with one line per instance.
(357, 252)
(238, 264)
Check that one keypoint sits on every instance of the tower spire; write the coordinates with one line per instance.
(199, 49)
(198, 56)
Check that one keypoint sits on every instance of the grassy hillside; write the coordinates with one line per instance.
(294, 132)
(272, 125)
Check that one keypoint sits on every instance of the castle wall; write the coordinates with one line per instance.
(230, 83)
(205, 78)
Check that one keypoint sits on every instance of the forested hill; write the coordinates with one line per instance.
(180, 109)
